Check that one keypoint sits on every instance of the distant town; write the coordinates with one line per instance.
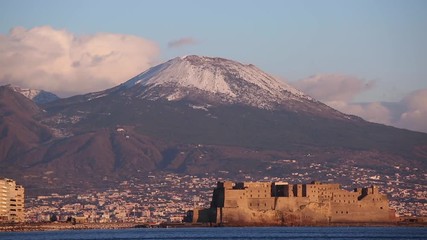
(166, 197)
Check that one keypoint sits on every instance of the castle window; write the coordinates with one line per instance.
(346, 212)
(381, 207)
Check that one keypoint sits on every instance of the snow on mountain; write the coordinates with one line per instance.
(217, 79)
(38, 96)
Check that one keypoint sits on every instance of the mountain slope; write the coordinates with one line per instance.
(234, 81)
(195, 113)
(214, 81)
(90, 157)
(19, 131)
(38, 96)
(207, 100)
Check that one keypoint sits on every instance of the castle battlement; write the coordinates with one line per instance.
(273, 203)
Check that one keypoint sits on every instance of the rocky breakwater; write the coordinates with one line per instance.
(24, 227)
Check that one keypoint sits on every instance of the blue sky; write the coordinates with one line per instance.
(381, 43)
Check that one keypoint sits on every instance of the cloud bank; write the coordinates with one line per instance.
(333, 87)
(182, 42)
(338, 91)
(61, 62)
(415, 114)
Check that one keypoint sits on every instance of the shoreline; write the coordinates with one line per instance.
(61, 226)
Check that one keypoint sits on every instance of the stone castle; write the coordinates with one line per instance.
(279, 203)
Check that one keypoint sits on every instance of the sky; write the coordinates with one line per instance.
(362, 57)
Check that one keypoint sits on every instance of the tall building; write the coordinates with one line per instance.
(11, 201)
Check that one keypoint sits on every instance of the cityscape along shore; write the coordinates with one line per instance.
(160, 204)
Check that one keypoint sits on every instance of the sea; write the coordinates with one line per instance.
(227, 233)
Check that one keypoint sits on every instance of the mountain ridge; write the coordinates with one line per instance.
(215, 81)
(122, 132)
(209, 74)
(36, 95)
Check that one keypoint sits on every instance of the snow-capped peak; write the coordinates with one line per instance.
(38, 96)
(215, 78)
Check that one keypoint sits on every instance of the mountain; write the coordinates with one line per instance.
(212, 80)
(194, 115)
(19, 131)
(38, 96)
(217, 81)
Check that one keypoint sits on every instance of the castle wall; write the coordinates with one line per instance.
(246, 216)
(261, 203)
(372, 207)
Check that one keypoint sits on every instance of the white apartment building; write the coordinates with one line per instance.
(11, 201)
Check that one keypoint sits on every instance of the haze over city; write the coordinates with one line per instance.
(366, 58)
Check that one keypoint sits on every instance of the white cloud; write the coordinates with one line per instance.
(333, 87)
(61, 62)
(415, 114)
(373, 112)
(338, 91)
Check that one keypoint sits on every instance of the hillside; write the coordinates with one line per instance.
(191, 115)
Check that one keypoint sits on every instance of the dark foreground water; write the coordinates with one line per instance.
(229, 233)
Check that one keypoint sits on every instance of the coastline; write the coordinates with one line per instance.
(60, 226)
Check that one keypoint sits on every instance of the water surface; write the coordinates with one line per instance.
(227, 233)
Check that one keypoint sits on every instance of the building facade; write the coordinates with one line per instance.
(278, 203)
(11, 201)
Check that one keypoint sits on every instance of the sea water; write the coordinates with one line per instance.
(227, 233)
